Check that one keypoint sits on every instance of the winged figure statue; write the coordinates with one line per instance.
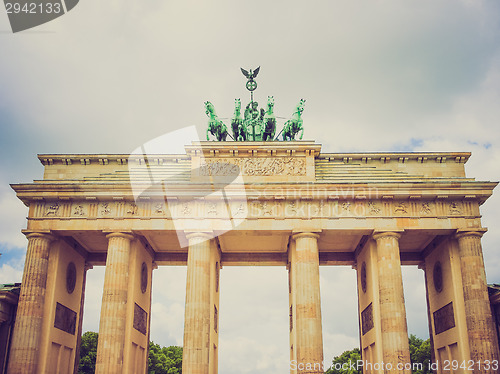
(251, 74)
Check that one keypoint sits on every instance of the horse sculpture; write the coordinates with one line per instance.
(215, 126)
(294, 125)
(238, 127)
(269, 120)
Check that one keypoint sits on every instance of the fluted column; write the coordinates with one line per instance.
(114, 305)
(480, 326)
(308, 304)
(195, 354)
(28, 327)
(392, 304)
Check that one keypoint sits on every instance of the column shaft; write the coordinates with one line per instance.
(28, 327)
(392, 305)
(196, 351)
(480, 326)
(309, 335)
(114, 303)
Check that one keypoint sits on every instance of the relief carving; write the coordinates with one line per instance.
(159, 208)
(455, 208)
(240, 211)
(186, 210)
(373, 208)
(426, 208)
(212, 209)
(65, 319)
(265, 166)
(346, 208)
(401, 208)
(52, 210)
(266, 209)
(291, 208)
(444, 318)
(105, 209)
(79, 210)
(367, 319)
(140, 319)
(132, 209)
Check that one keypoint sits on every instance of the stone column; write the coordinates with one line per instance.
(28, 327)
(392, 304)
(480, 326)
(114, 305)
(196, 351)
(308, 304)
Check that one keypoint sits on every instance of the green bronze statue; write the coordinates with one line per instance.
(237, 124)
(269, 120)
(294, 125)
(215, 126)
(256, 124)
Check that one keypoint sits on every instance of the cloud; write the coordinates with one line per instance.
(12, 220)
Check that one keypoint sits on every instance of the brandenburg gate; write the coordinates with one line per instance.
(252, 203)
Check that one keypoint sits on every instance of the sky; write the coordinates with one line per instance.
(383, 75)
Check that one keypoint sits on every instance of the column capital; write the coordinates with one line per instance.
(120, 234)
(298, 234)
(46, 234)
(379, 234)
(463, 232)
(207, 235)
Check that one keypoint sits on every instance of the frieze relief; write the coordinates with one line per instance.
(280, 208)
(265, 166)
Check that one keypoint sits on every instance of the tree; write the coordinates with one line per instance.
(88, 353)
(161, 360)
(420, 352)
(166, 360)
(346, 363)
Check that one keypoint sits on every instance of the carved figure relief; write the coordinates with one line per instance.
(265, 166)
(401, 208)
(444, 318)
(186, 210)
(159, 208)
(65, 319)
(105, 209)
(292, 208)
(52, 210)
(266, 209)
(70, 277)
(140, 319)
(437, 276)
(239, 211)
(346, 208)
(79, 211)
(144, 277)
(455, 208)
(367, 319)
(363, 277)
(212, 209)
(132, 209)
(426, 208)
(373, 209)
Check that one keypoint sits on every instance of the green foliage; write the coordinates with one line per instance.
(88, 353)
(345, 363)
(166, 360)
(161, 360)
(420, 352)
